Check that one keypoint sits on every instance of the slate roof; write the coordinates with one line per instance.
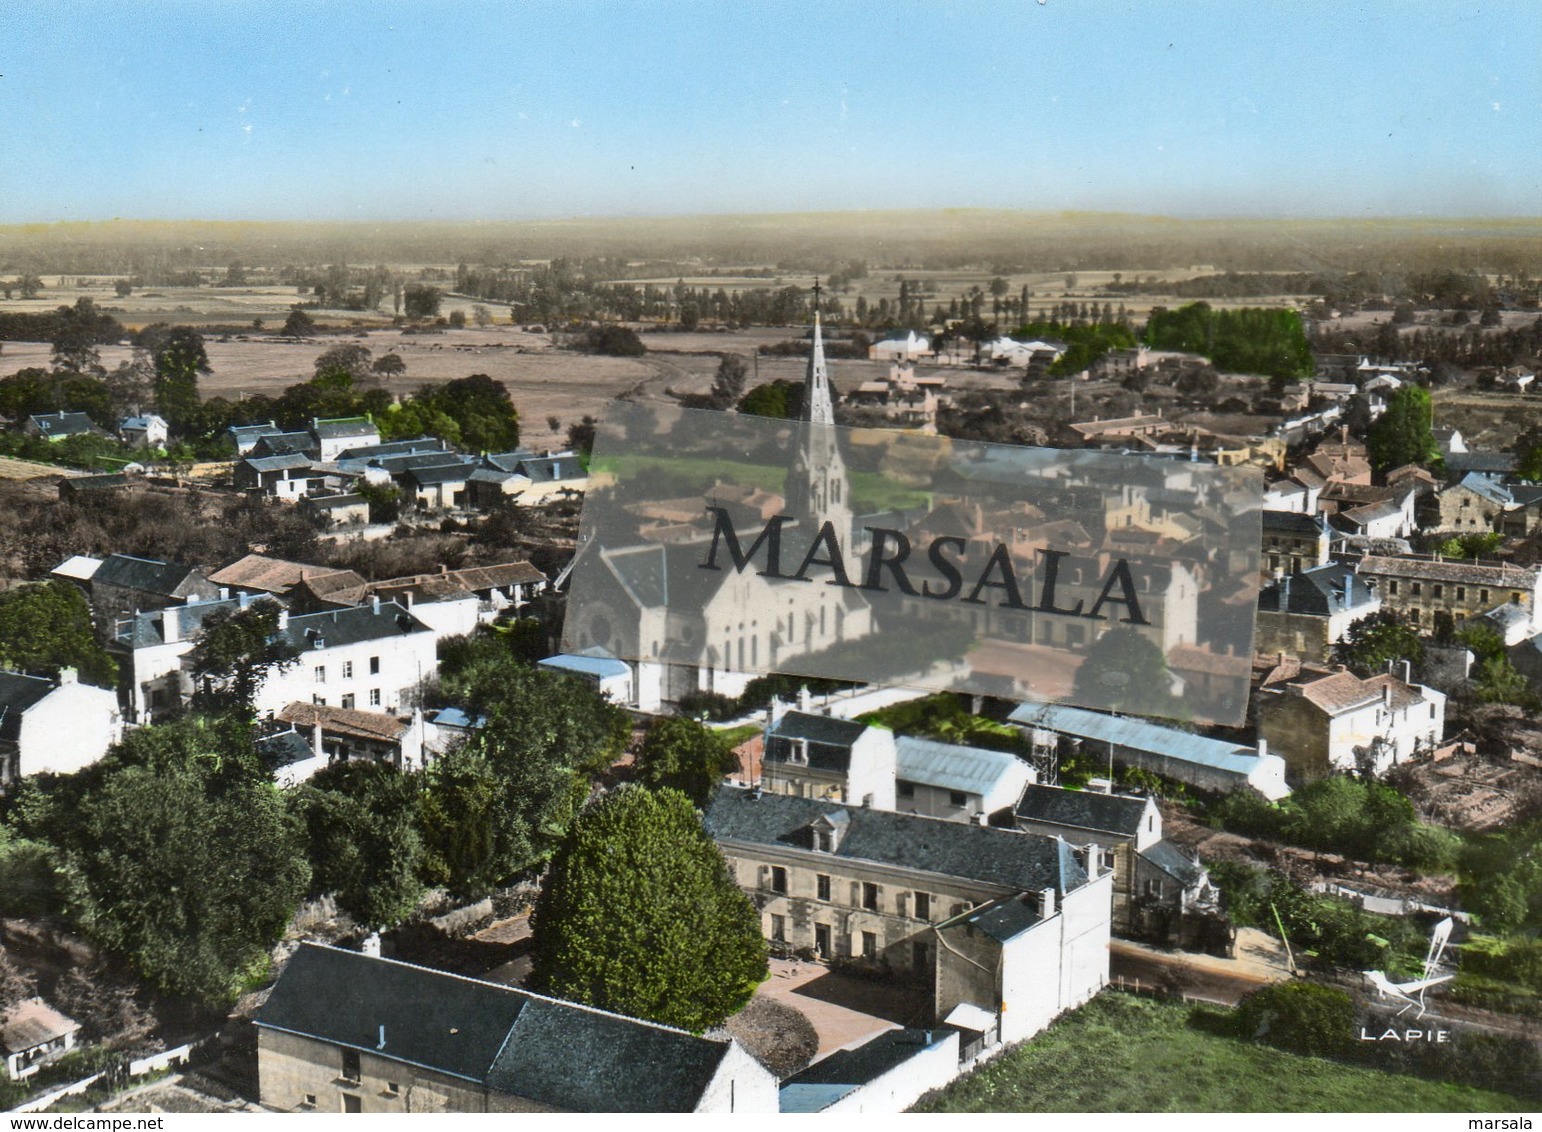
(1018, 861)
(1485, 486)
(145, 574)
(1450, 570)
(1175, 863)
(283, 444)
(103, 481)
(146, 629)
(1457, 462)
(334, 502)
(1137, 735)
(1319, 592)
(558, 1053)
(829, 740)
(1002, 919)
(846, 1070)
(1082, 809)
(339, 427)
(950, 766)
(18, 693)
(285, 748)
(351, 626)
(61, 424)
(439, 473)
(416, 446)
(279, 463)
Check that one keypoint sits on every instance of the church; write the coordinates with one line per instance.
(683, 629)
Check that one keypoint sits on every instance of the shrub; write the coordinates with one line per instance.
(1300, 1017)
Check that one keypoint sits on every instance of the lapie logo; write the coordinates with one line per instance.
(1412, 993)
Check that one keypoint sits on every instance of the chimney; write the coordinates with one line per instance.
(224, 593)
(371, 946)
(409, 601)
(244, 598)
(1263, 747)
(805, 701)
(317, 750)
(67, 676)
(1046, 903)
(283, 620)
(171, 625)
(374, 604)
(1093, 855)
(1386, 695)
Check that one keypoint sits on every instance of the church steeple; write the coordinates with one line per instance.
(817, 406)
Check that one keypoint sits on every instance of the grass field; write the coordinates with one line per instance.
(1126, 1054)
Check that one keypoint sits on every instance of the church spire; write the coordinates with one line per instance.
(817, 407)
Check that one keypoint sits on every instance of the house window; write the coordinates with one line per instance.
(310, 1100)
(1515, 599)
(348, 701)
(394, 1088)
(1483, 596)
(870, 945)
(350, 1065)
(351, 1103)
(923, 906)
(824, 841)
(1418, 588)
(347, 670)
(1392, 587)
(778, 879)
(779, 927)
(374, 697)
(1154, 889)
(822, 883)
(1461, 593)
(957, 798)
(870, 896)
(374, 665)
(906, 789)
(319, 701)
(1440, 591)
(320, 673)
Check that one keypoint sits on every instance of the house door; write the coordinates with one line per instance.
(351, 1103)
(822, 946)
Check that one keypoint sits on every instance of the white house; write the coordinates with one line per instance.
(32, 1034)
(336, 436)
(367, 657)
(906, 349)
(947, 780)
(147, 431)
(53, 726)
(607, 675)
(1335, 721)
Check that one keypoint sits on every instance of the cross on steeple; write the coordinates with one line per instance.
(816, 294)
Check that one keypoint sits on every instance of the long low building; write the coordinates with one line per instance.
(347, 1032)
(1208, 764)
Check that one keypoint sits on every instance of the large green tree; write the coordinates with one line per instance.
(237, 651)
(681, 754)
(190, 883)
(1402, 435)
(639, 915)
(46, 627)
(1372, 643)
(179, 361)
(365, 849)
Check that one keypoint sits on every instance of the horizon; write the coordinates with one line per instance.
(470, 113)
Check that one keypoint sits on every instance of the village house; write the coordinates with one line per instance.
(148, 430)
(1327, 721)
(1208, 764)
(1424, 588)
(261, 574)
(609, 677)
(53, 726)
(74, 488)
(954, 782)
(1293, 541)
(59, 426)
(1307, 612)
(337, 511)
(1158, 890)
(289, 477)
(347, 1032)
(339, 434)
(343, 734)
(1004, 921)
(527, 478)
(149, 648)
(818, 756)
(122, 583)
(1482, 502)
(906, 349)
(32, 1034)
(245, 437)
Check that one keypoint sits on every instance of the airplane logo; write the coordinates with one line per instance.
(1412, 993)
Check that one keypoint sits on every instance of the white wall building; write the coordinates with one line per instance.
(53, 726)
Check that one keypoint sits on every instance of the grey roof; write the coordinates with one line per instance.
(950, 766)
(283, 749)
(1319, 592)
(846, 1070)
(1459, 462)
(278, 463)
(62, 424)
(1487, 486)
(558, 1053)
(828, 740)
(416, 445)
(440, 473)
(146, 629)
(19, 692)
(1175, 863)
(1019, 861)
(1292, 523)
(283, 444)
(253, 431)
(332, 502)
(1082, 809)
(350, 626)
(148, 575)
(1002, 919)
(407, 461)
(1137, 735)
(340, 427)
(559, 466)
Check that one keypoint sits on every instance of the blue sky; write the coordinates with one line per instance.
(462, 111)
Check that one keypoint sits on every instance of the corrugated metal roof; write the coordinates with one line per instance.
(950, 766)
(1137, 735)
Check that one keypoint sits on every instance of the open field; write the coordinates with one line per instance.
(1125, 1054)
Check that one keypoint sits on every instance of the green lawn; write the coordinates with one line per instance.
(1121, 1053)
